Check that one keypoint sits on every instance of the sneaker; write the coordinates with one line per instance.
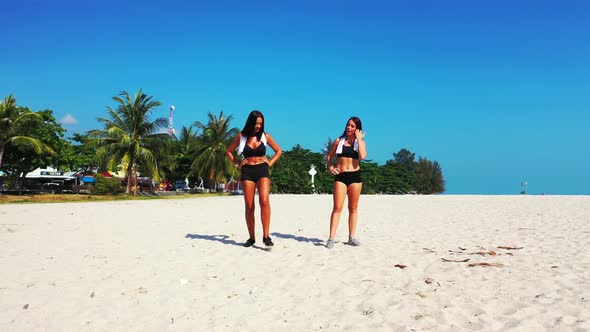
(330, 244)
(249, 243)
(267, 241)
(353, 242)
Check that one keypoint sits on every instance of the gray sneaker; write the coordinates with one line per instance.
(353, 242)
(330, 244)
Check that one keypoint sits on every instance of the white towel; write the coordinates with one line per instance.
(244, 139)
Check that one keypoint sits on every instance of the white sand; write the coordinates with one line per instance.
(164, 265)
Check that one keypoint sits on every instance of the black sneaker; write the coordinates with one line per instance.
(249, 243)
(267, 241)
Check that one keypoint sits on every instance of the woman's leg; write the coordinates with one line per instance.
(263, 197)
(354, 192)
(249, 188)
(338, 197)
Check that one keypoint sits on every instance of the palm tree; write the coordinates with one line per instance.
(188, 145)
(211, 162)
(129, 139)
(188, 141)
(178, 154)
(12, 120)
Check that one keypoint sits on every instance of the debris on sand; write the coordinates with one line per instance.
(486, 264)
(510, 248)
(455, 261)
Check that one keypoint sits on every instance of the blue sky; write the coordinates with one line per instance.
(498, 92)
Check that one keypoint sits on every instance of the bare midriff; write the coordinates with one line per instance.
(254, 160)
(346, 164)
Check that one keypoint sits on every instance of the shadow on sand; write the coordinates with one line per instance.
(222, 239)
(219, 238)
(313, 240)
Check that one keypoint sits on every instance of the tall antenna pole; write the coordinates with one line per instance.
(170, 127)
(524, 185)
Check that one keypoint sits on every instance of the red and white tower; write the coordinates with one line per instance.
(170, 127)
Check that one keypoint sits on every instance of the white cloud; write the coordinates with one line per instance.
(69, 120)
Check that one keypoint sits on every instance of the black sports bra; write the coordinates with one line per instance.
(348, 152)
(259, 151)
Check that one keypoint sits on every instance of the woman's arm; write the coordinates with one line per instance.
(229, 153)
(333, 148)
(276, 148)
(360, 138)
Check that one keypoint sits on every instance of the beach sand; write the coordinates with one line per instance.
(179, 265)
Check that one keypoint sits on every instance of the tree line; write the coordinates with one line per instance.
(130, 142)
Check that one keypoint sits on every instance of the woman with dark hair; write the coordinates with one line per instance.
(349, 148)
(251, 143)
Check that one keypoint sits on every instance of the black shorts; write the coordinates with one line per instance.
(349, 178)
(254, 172)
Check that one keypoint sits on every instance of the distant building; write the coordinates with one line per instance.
(50, 180)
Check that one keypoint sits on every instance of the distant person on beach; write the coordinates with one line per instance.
(349, 148)
(251, 143)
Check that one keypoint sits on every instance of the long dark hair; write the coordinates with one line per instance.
(357, 122)
(250, 126)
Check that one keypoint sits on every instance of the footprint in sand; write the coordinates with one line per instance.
(541, 298)
(569, 320)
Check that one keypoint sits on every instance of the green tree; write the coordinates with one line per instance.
(404, 158)
(211, 162)
(398, 174)
(423, 184)
(395, 178)
(85, 154)
(185, 151)
(165, 154)
(23, 159)
(429, 178)
(291, 175)
(371, 177)
(129, 137)
(13, 121)
(104, 186)
(438, 181)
